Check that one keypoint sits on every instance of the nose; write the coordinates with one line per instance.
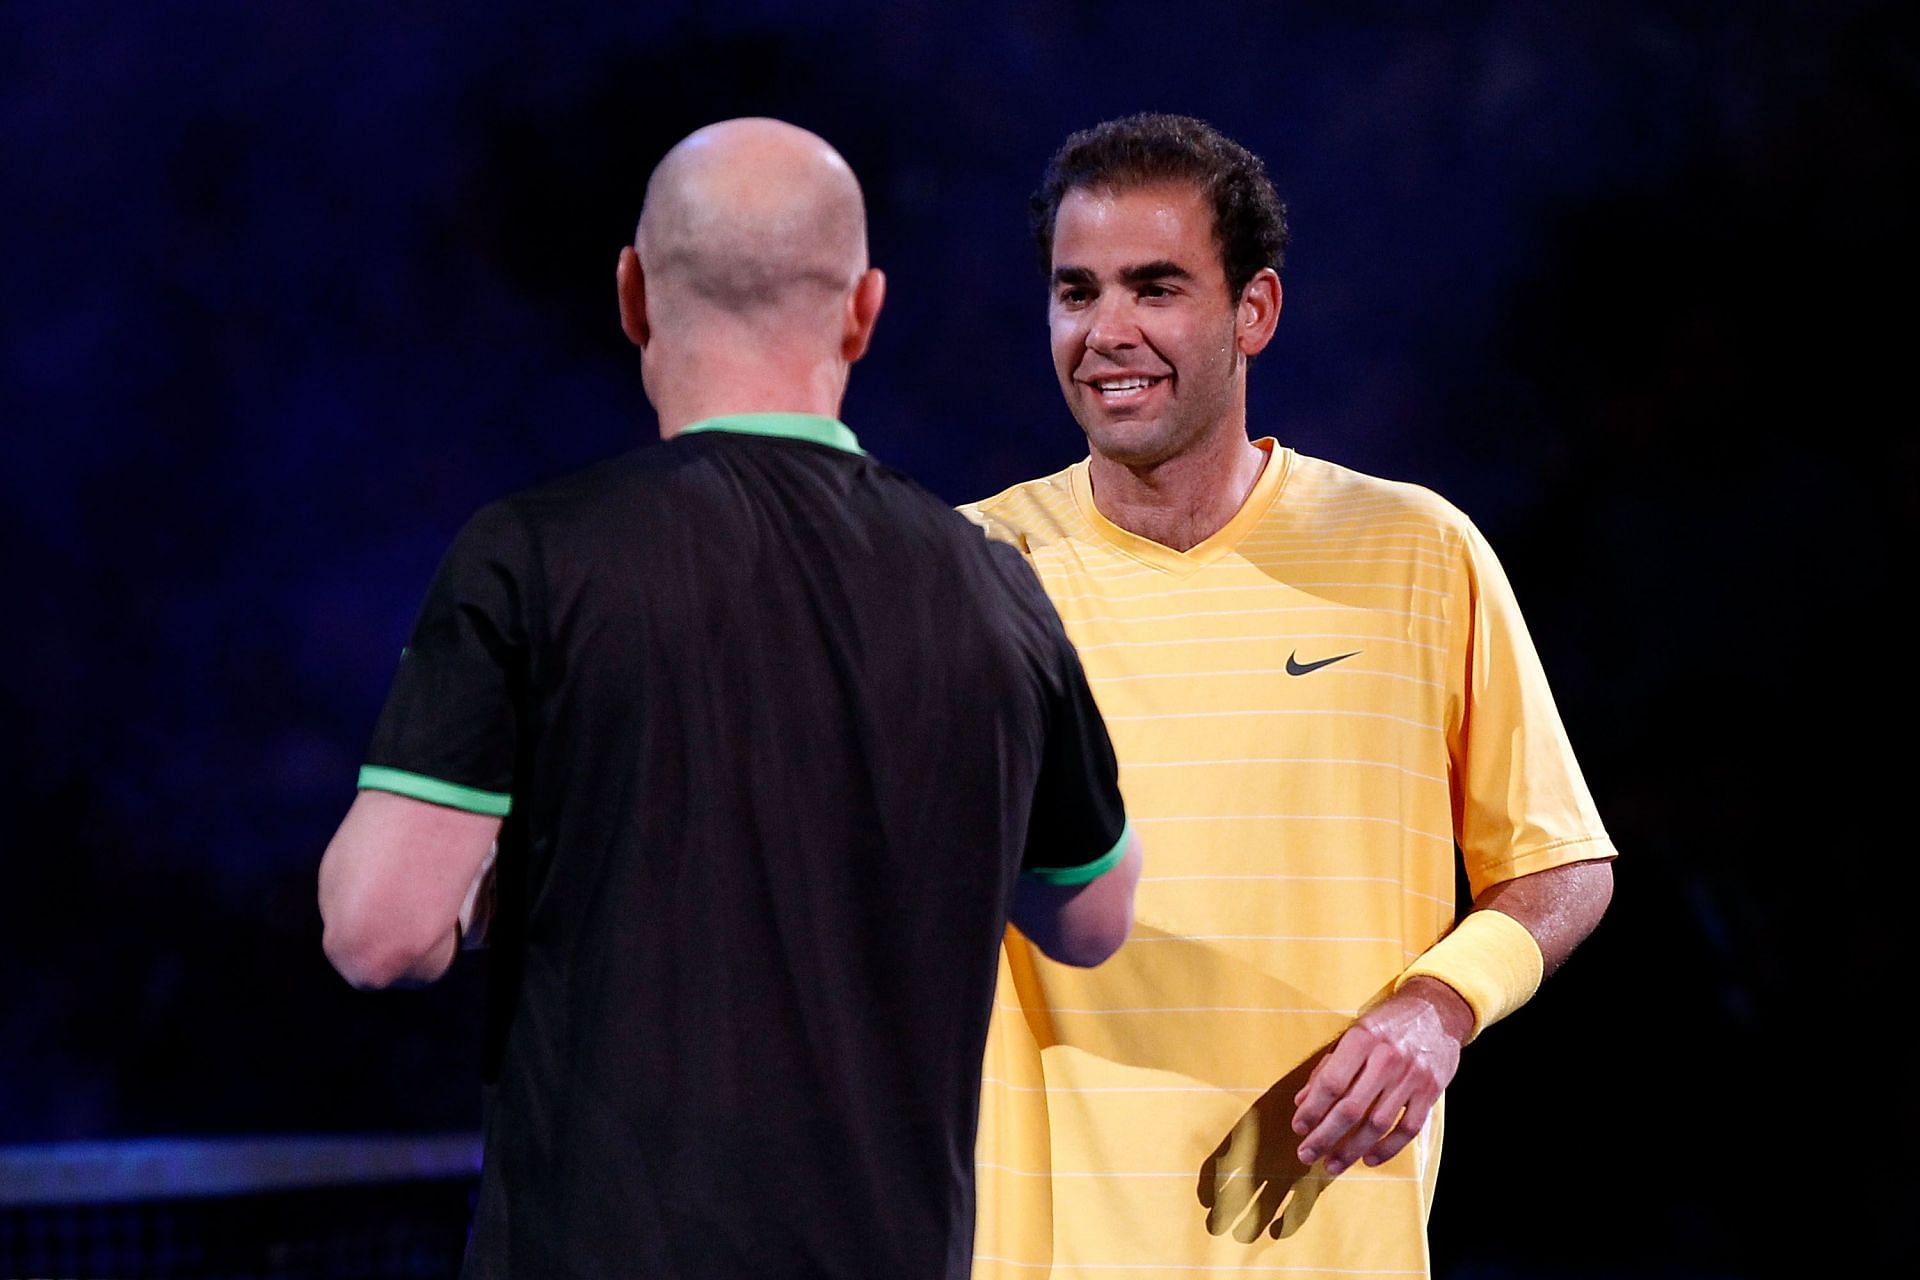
(1110, 327)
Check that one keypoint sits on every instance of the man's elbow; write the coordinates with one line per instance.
(1602, 889)
(1091, 941)
(1085, 925)
(372, 958)
(362, 960)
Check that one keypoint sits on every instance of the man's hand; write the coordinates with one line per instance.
(1371, 1096)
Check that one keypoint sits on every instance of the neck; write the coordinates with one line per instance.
(1183, 500)
(697, 387)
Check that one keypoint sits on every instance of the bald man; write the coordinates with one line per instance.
(772, 744)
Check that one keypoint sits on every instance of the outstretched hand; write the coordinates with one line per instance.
(1372, 1095)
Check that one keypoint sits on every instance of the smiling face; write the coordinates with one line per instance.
(1149, 346)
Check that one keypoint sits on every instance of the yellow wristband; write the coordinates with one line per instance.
(1490, 959)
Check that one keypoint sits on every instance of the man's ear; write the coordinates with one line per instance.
(631, 283)
(1258, 312)
(863, 312)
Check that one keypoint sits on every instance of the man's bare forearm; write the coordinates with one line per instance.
(1559, 906)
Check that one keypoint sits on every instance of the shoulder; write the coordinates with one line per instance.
(591, 485)
(1029, 514)
(1340, 497)
(521, 533)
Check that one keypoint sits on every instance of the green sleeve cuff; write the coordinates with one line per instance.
(1088, 871)
(418, 786)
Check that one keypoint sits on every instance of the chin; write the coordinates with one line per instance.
(1131, 444)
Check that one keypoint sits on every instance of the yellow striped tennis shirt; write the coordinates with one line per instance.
(1310, 709)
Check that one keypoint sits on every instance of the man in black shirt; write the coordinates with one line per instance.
(772, 742)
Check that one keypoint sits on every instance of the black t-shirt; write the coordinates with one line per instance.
(774, 731)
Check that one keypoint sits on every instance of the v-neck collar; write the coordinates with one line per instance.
(1273, 477)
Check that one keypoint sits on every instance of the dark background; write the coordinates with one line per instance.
(290, 289)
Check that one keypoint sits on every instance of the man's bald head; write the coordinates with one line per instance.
(754, 218)
(747, 287)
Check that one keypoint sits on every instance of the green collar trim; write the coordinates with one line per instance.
(810, 427)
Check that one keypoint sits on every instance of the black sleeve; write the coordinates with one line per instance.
(1078, 827)
(450, 728)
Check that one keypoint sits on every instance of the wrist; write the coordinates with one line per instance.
(1449, 1006)
(1489, 959)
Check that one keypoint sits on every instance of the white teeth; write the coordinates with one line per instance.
(1123, 384)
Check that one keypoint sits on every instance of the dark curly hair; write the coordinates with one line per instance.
(1249, 219)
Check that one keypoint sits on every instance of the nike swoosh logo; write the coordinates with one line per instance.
(1298, 668)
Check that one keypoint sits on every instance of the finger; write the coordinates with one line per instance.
(1419, 1106)
(1352, 1107)
(1332, 1060)
(1380, 1121)
(1331, 1080)
(1398, 1083)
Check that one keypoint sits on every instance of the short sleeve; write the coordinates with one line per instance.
(1078, 828)
(1523, 805)
(449, 731)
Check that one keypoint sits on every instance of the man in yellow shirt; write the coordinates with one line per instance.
(1319, 688)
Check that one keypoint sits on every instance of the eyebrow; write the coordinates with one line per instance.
(1141, 273)
(1147, 272)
